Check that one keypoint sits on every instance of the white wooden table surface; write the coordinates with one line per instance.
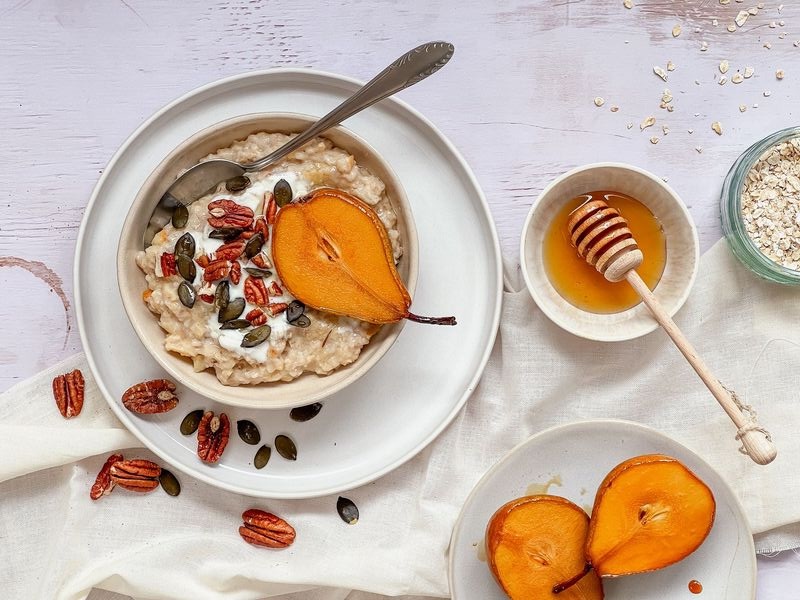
(78, 76)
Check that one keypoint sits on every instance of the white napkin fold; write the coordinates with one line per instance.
(155, 546)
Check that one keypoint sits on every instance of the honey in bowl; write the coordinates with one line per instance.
(580, 283)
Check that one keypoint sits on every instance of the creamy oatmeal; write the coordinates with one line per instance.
(231, 271)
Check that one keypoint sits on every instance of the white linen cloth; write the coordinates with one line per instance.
(57, 543)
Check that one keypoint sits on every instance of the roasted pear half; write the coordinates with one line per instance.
(535, 542)
(332, 253)
(650, 512)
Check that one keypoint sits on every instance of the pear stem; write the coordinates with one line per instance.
(431, 320)
(560, 587)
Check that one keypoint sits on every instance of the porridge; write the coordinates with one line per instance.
(213, 284)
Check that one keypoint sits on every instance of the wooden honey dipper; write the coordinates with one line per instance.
(602, 237)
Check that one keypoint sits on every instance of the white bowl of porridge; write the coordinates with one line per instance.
(199, 295)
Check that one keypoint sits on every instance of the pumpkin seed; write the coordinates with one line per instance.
(185, 245)
(236, 324)
(225, 233)
(256, 272)
(248, 432)
(294, 310)
(169, 482)
(232, 311)
(237, 184)
(302, 321)
(262, 457)
(186, 294)
(253, 245)
(191, 421)
(347, 510)
(257, 336)
(305, 413)
(283, 193)
(286, 447)
(186, 267)
(180, 216)
(222, 295)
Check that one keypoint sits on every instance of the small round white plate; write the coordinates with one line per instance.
(404, 402)
(577, 457)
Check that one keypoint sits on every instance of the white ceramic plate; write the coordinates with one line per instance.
(403, 403)
(580, 455)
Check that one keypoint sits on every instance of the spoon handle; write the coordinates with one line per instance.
(756, 441)
(412, 67)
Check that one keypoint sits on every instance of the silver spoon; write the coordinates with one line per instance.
(412, 67)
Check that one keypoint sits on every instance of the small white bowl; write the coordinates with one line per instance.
(309, 387)
(683, 251)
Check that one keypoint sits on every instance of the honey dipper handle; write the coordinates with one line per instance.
(756, 441)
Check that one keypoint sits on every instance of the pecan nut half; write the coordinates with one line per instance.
(227, 213)
(276, 308)
(230, 251)
(151, 397)
(255, 292)
(260, 226)
(102, 484)
(212, 436)
(256, 317)
(271, 211)
(68, 391)
(261, 261)
(169, 266)
(216, 270)
(265, 529)
(136, 475)
(236, 273)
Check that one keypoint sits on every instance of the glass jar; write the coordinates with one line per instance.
(731, 212)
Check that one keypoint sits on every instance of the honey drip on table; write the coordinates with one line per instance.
(695, 586)
(577, 281)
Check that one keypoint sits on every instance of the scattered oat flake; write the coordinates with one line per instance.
(796, 43)
(714, 22)
(773, 25)
(780, 8)
(670, 108)
(654, 140)
(665, 129)
(779, 74)
(767, 93)
(781, 23)
(660, 72)
(676, 31)
(670, 65)
(760, 6)
(717, 127)
(748, 72)
(737, 78)
(690, 130)
(629, 126)
(741, 18)
(648, 122)
(598, 101)
(767, 45)
(753, 10)
(699, 149)
(722, 80)
(703, 46)
(666, 98)
(782, 36)
(724, 66)
(755, 105)
(742, 107)
(724, 2)
(731, 27)
(627, 3)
